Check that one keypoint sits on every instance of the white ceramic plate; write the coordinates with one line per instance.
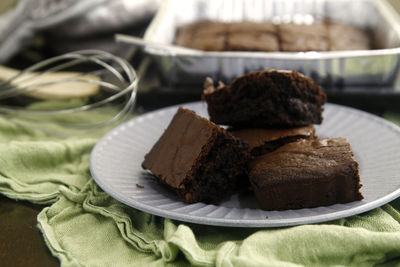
(116, 159)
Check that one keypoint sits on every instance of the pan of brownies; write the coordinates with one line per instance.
(336, 42)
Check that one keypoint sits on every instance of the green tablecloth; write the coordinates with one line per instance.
(83, 226)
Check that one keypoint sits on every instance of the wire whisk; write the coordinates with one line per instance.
(58, 93)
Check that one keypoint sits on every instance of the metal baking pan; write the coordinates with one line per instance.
(179, 65)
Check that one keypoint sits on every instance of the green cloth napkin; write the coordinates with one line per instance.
(83, 226)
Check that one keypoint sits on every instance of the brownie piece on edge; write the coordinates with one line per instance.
(262, 140)
(305, 174)
(198, 159)
(265, 99)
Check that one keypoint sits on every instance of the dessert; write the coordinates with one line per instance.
(252, 42)
(325, 35)
(198, 159)
(301, 37)
(235, 36)
(203, 35)
(271, 145)
(351, 38)
(251, 36)
(265, 99)
(305, 174)
(262, 141)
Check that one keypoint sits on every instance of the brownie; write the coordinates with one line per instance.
(305, 174)
(210, 28)
(263, 140)
(303, 37)
(203, 35)
(252, 42)
(235, 36)
(346, 37)
(198, 159)
(248, 26)
(265, 99)
(326, 35)
(252, 36)
(214, 43)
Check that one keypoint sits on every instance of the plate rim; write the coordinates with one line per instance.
(256, 223)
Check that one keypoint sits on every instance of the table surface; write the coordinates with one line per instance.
(21, 242)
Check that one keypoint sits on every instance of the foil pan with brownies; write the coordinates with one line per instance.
(376, 66)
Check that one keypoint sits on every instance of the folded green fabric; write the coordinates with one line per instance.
(86, 227)
(34, 170)
(89, 228)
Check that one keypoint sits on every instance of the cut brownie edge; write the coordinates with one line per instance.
(218, 173)
(197, 159)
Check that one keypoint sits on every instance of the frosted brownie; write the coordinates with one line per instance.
(305, 174)
(198, 159)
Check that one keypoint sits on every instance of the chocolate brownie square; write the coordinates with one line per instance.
(198, 159)
(303, 37)
(265, 99)
(235, 36)
(252, 36)
(305, 174)
(208, 43)
(203, 35)
(347, 37)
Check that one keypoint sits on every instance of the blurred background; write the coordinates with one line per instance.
(35, 30)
